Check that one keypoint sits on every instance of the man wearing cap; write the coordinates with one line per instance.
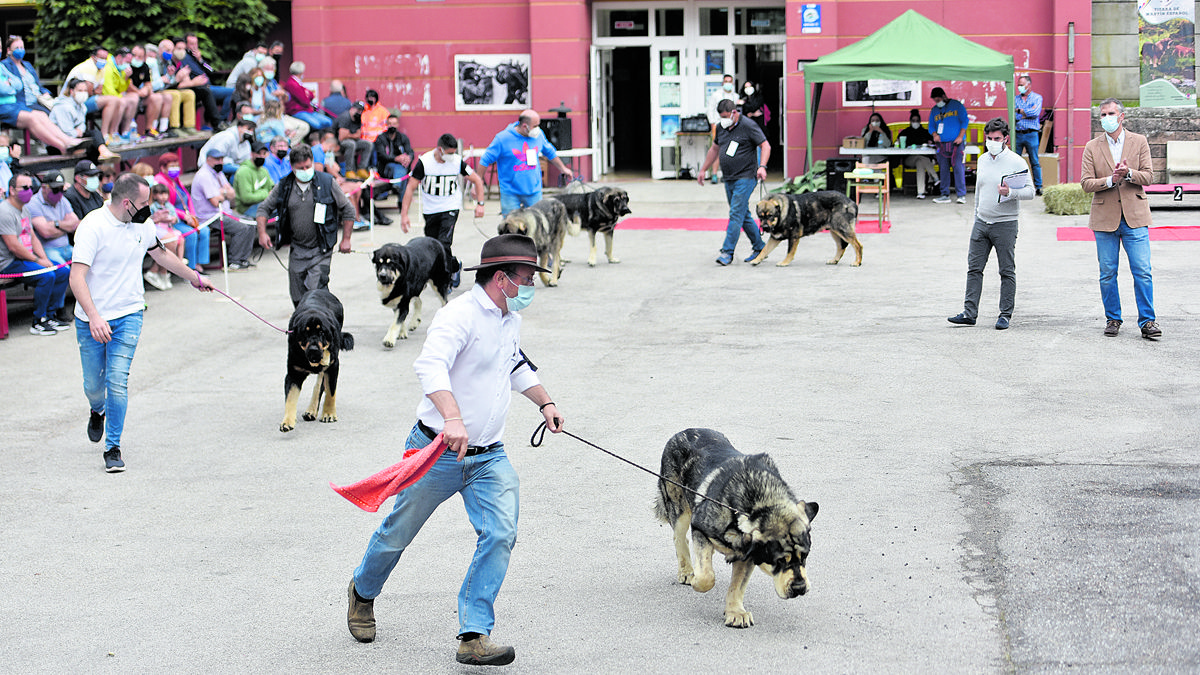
(211, 194)
(252, 182)
(53, 218)
(310, 209)
(84, 194)
(515, 152)
(468, 368)
(234, 143)
(356, 151)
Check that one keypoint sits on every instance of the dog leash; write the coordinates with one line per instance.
(252, 313)
(539, 435)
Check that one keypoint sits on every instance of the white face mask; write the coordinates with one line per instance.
(81, 96)
(941, 104)
(726, 122)
(915, 125)
(874, 124)
(1022, 88)
(994, 147)
(749, 91)
(1110, 123)
(728, 86)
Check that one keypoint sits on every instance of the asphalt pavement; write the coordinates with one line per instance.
(990, 501)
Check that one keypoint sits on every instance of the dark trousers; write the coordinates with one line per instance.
(440, 226)
(984, 237)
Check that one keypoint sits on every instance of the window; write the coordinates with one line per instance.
(623, 23)
(668, 22)
(714, 21)
(759, 21)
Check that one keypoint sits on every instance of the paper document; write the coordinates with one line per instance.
(1014, 181)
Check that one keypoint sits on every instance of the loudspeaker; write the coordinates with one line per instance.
(835, 170)
(558, 132)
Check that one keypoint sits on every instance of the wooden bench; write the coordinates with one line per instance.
(130, 154)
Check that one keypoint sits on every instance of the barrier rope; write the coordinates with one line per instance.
(34, 273)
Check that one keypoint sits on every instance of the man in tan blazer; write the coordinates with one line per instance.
(1116, 164)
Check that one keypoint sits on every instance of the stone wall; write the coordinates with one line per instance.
(1158, 125)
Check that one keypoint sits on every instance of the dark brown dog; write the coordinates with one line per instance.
(790, 217)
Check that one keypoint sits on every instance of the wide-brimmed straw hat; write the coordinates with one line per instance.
(508, 249)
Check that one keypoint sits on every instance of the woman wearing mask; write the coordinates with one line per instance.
(196, 240)
(69, 114)
(15, 113)
(916, 135)
(752, 104)
(876, 135)
(36, 96)
(10, 161)
(300, 103)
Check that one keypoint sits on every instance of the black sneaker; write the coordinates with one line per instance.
(962, 320)
(42, 327)
(57, 325)
(112, 461)
(95, 427)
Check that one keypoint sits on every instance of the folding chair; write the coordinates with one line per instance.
(873, 179)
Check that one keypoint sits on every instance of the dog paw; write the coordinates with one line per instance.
(756, 262)
(285, 427)
(613, 261)
(703, 584)
(308, 416)
(328, 417)
(592, 262)
(389, 343)
(857, 264)
(741, 619)
(782, 263)
(686, 577)
(831, 262)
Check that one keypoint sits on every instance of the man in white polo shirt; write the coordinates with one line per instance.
(106, 278)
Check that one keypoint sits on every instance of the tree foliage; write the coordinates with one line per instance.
(68, 31)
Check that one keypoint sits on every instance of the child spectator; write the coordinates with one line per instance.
(165, 218)
(271, 124)
(196, 239)
(69, 114)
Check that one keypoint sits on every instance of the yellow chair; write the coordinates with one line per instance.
(873, 179)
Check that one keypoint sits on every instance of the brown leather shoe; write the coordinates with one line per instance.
(1112, 328)
(360, 617)
(1151, 331)
(483, 652)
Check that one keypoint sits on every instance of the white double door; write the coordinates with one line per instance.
(684, 74)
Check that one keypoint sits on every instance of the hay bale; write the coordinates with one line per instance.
(1067, 200)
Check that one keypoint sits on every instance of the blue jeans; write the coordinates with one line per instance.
(49, 290)
(490, 491)
(511, 202)
(314, 120)
(1136, 241)
(106, 371)
(195, 246)
(950, 158)
(737, 192)
(1027, 141)
(59, 254)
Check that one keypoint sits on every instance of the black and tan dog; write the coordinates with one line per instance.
(314, 339)
(770, 529)
(791, 217)
(401, 273)
(546, 224)
(596, 211)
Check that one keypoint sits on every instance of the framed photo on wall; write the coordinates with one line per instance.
(882, 93)
(491, 81)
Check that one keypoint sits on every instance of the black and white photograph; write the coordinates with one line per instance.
(881, 92)
(491, 81)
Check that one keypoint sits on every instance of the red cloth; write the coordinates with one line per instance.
(370, 493)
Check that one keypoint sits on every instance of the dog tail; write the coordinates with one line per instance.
(574, 224)
(347, 342)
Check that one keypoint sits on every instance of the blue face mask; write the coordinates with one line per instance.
(5, 156)
(521, 300)
(18, 54)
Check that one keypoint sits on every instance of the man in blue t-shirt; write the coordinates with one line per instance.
(948, 123)
(515, 153)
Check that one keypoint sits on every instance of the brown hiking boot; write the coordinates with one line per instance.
(360, 617)
(483, 652)
(1111, 328)
(1151, 331)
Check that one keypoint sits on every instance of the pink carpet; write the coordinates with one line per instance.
(1156, 234)
(718, 225)
(1169, 188)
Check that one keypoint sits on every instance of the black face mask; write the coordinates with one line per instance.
(141, 215)
(372, 101)
(248, 137)
(259, 161)
(281, 153)
(219, 167)
(357, 118)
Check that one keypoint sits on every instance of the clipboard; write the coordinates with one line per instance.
(1014, 181)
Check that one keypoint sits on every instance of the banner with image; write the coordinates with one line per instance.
(1167, 43)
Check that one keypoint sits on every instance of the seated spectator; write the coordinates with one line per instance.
(196, 238)
(234, 144)
(325, 160)
(195, 60)
(190, 75)
(356, 152)
(21, 251)
(276, 50)
(271, 124)
(36, 97)
(91, 70)
(69, 114)
(876, 135)
(916, 135)
(10, 162)
(158, 276)
(243, 93)
(108, 176)
(182, 114)
(248, 62)
(258, 91)
(141, 84)
(117, 83)
(14, 113)
(374, 117)
(54, 220)
(336, 102)
(84, 194)
(252, 182)
(277, 162)
(393, 155)
(300, 100)
(325, 153)
(163, 214)
(212, 193)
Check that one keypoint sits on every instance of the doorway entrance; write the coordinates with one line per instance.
(631, 95)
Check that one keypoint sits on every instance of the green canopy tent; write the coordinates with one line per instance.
(911, 47)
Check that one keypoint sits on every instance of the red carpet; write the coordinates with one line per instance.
(718, 224)
(1156, 234)
(1169, 188)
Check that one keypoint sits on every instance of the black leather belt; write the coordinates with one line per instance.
(472, 450)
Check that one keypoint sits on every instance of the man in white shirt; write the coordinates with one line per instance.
(106, 278)
(468, 368)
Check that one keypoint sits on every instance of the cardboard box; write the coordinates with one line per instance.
(1049, 169)
(852, 142)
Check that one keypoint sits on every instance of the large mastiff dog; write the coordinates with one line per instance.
(402, 272)
(596, 211)
(546, 224)
(314, 339)
(791, 217)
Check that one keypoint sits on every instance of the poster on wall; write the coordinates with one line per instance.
(1167, 43)
(881, 92)
(491, 81)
